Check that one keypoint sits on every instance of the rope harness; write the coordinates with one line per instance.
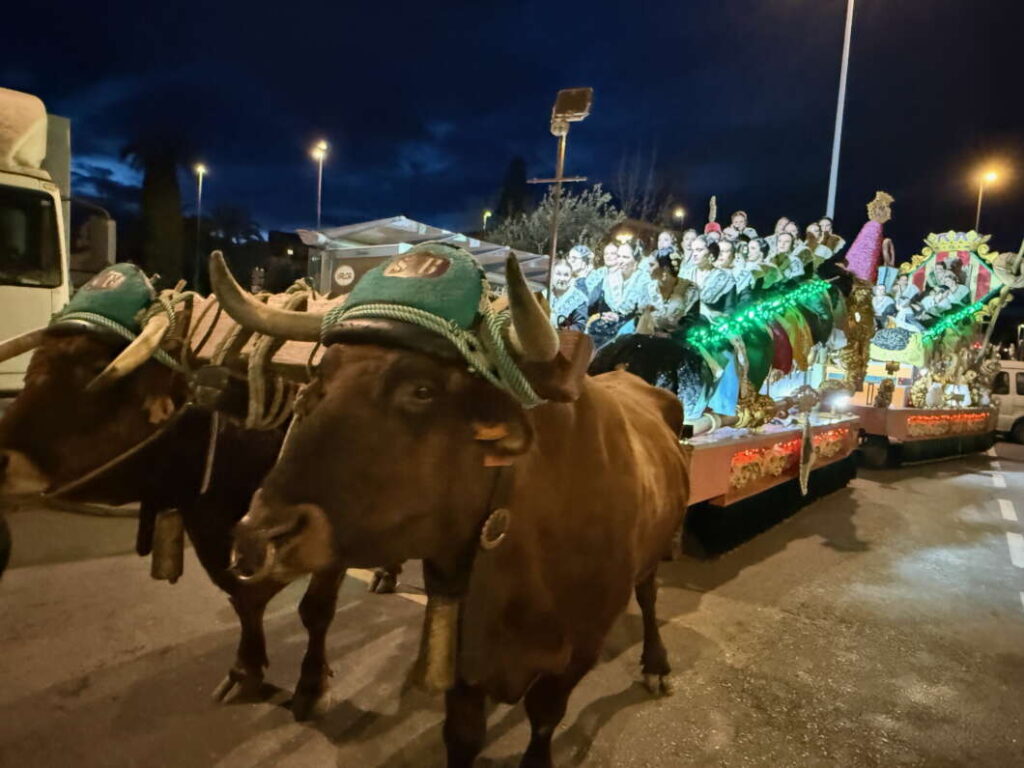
(260, 415)
(484, 350)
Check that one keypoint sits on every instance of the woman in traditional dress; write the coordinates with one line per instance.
(621, 294)
(742, 274)
(830, 239)
(904, 289)
(905, 316)
(773, 238)
(671, 297)
(715, 280)
(666, 249)
(812, 241)
(698, 254)
(764, 272)
(591, 284)
(581, 262)
(883, 305)
(686, 242)
(787, 258)
(740, 223)
(568, 302)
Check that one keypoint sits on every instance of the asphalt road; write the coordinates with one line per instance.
(881, 626)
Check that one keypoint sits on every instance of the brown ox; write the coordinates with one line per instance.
(66, 423)
(395, 458)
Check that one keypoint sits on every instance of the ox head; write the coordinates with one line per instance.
(395, 450)
(88, 397)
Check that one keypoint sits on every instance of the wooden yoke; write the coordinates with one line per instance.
(216, 339)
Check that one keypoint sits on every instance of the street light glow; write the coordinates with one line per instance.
(991, 176)
(319, 151)
(200, 169)
(679, 212)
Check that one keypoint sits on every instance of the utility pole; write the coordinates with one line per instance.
(837, 139)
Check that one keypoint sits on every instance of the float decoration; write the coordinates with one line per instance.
(929, 318)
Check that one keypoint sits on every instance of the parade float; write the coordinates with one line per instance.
(768, 426)
(927, 389)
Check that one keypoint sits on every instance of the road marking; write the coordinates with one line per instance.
(1006, 507)
(1016, 544)
(998, 480)
(996, 465)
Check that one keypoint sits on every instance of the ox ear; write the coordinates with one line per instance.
(503, 440)
(561, 379)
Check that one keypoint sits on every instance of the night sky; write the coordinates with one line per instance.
(424, 104)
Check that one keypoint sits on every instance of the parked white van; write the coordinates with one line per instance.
(1008, 386)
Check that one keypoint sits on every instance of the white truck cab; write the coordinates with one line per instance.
(1008, 387)
(34, 281)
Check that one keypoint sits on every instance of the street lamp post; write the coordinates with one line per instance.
(571, 106)
(200, 171)
(679, 214)
(837, 138)
(487, 215)
(989, 177)
(318, 153)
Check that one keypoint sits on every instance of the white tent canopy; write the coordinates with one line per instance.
(399, 233)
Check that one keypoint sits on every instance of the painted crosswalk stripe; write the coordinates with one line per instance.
(998, 480)
(1007, 510)
(1016, 543)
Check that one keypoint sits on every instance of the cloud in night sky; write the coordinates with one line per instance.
(425, 104)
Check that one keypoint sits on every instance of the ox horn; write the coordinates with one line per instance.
(136, 353)
(255, 315)
(19, 345)
(531, 335)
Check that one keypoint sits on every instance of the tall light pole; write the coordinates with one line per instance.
(318, 153)
(200, 171)
(837, 139)
(571, 106)
(988, 176)
(487, 215)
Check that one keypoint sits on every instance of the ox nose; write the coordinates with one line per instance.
(293, 538)
(252, 558)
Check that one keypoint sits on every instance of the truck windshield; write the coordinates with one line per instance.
(29, 249)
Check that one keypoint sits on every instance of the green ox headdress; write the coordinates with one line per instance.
(433, 298)
(118, 304)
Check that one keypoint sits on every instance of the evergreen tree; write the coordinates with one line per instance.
(585, 218)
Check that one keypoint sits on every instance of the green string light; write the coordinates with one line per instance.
(953, 320)
(760, 314)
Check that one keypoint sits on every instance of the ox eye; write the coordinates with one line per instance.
(424, 393)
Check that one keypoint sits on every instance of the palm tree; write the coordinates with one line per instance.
(159, 157)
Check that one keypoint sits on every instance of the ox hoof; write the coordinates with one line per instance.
(238, 686)
(383, 582)
(658, 685)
